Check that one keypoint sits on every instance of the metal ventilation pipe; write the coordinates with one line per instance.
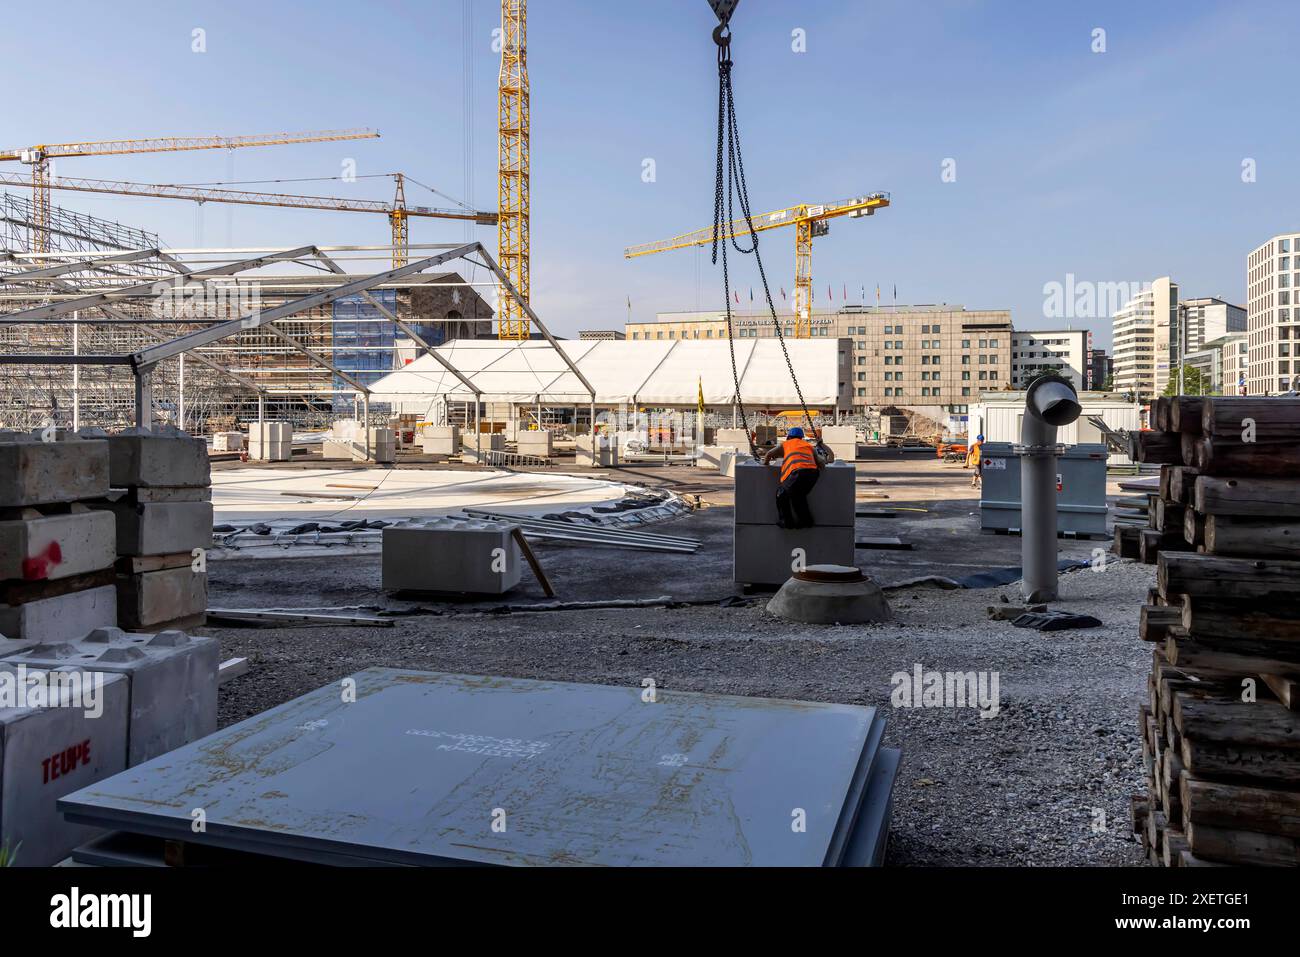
(1050, 402)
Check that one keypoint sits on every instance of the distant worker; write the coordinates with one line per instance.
(974, 460)
(801, 465)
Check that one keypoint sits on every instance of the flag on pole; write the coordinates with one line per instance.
(862, 295)
(877, 295)
(736, 293)
(844, 290)
(751, 293)
(783, 293)
(699, 409)
(829, 294)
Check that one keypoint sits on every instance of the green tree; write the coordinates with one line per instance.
(1194, 382)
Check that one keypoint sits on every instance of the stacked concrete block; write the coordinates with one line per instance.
(488, 442)
(766, 554)
(603, 455)
(842, 440)
(735, 438)
(228, 441)
(60, 731)
(536, 442)
(56, 555)
(270, 441)
(172, 682)
(161, 504)
(347, 440)
(450, 555)
(711, 456)
(440, 440)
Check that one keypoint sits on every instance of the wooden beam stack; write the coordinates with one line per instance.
(1221, 726)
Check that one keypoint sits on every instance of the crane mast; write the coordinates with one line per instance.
(513, 168)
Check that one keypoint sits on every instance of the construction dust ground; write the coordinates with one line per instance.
(1044, 782)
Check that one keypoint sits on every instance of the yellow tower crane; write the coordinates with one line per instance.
(513, 167)
(38, 157)
(808, 220)
(397, 211)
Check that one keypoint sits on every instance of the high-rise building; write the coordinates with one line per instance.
(1204, 320)
(1222, 363)
(1064, 351)
(1103, 368)
(933, 359)
(1145, 338)
(1272, 319)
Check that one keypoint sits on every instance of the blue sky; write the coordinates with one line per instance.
(1117, 166)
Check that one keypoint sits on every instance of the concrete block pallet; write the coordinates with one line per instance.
(54, 550)
(161, 505)
(1221, 727)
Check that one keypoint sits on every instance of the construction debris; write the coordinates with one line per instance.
(267, 618)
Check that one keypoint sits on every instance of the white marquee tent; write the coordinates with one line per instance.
(657, 373)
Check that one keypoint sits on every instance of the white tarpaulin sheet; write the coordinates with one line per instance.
(655, 373)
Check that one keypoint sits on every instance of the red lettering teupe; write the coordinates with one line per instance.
(65, 762)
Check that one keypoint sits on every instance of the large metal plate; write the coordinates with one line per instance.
(419, 767)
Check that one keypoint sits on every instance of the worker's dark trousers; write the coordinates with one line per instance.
(792, 499)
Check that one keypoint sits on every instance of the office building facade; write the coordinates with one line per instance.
(1066, 352)
(932, 358)
(1272, 319)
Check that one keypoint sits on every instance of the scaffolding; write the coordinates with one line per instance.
(209, 339)
(70, 232)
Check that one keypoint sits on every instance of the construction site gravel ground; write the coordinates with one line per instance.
(1045, 781)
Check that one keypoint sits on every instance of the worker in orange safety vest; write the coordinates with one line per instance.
(975, 460)
(801, 465)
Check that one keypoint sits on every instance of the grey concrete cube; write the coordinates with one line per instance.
(162, 456)
(173, 682)
(33, 472)
(160, 528)
(47, 752)
(603, 455)
(832, 500)
(153, 598)
(39, 547)
(769, 555)
(59, 617)
(463, 556)
(536, 442)
(842, 440)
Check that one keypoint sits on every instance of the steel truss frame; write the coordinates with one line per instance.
(99, 289)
